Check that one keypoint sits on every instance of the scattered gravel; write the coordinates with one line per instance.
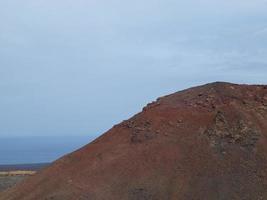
(9, 181)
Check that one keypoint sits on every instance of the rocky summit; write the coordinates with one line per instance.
(203, 143)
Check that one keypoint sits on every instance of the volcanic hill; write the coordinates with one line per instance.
(203, 143)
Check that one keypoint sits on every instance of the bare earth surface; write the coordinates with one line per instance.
(204, 143)
(11, 175)
(9, 181)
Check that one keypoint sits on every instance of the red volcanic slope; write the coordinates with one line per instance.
(204, 143)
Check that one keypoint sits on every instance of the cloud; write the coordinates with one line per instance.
(261, 32)
(60, 59)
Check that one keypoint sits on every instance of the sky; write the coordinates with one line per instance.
(76, 68)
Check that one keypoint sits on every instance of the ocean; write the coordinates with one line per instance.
(28, 150)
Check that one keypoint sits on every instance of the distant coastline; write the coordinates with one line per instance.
(23, 167)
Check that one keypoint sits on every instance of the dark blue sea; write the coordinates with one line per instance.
(27, 150)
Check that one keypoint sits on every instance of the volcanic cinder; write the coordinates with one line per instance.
(204, 143)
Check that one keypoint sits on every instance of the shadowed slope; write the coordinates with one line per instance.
(206, 142)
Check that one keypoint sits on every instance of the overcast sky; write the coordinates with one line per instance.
(78, 67)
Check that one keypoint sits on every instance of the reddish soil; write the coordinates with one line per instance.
(204, 143)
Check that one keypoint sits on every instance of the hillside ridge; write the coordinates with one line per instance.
(206, 142)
